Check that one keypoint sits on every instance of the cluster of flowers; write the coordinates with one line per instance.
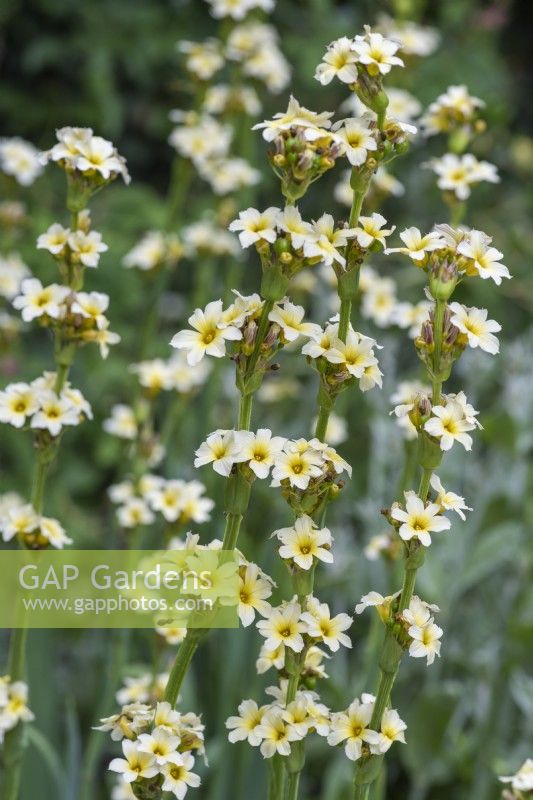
(295, 463)
(158, 249)
(457, 174)
(447, 422)
(78, 150)
(158, 744)
(251, 44)
(340, 361)
(155, 249)
(19, 520)
(206, 142)
(252, 48)
(455, 109)
(176, 500)
(418, 628)
(470, 251)
(20, 159)
(298, 243)
(39, 405)
(274, 727)
(80, 315)
(13, 704)
(173, 374)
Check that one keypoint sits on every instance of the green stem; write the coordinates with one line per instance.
(39, 481)
(245, 411)
(292, 786)
(262, 328)
(322, 423)
(231, 533)
(386, 682)
(438, 324)
(344, 318)
(276, 780)
(186, 651)
(361, 791)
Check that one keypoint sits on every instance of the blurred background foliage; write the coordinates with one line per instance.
(113, 65)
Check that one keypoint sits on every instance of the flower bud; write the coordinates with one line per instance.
(443, 280)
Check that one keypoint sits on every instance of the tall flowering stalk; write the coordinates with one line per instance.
(50, 403)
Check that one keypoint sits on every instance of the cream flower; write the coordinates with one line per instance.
(352, 728)
(328, 241)
(37, 300)
(20, 159)
(209, 335)
(260, 450)
(357, 139)
(290, 220)
(339, 61)
(486, 259)
(254, 588)
(391, 730)
(91, 305)
(178, 776)
(19, 520)
(99, 155)
(54, 240)
(289, 317)
(425, 642)
(418, 613)
(448, 501)
(256, 226)
(54, 413)
(276, 734)
(135, 512)
(135, 764)
(122, 422)
(86, 247)
(295, 116)
(245, 726)
(449, 424)
(321, 625)
(222, 449)
(160, 743)
(354, 355)
(458, 173)
(416, 245)
(304, 542)
(474, 324)
(296, 467)
(371, 230)
(283, 626)
(419, 520)
(376, 53)
(17, 402)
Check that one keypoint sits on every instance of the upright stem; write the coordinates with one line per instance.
(231, 533)
(438, 323)
(276, 781)
(262, 328)
(245, 411)
(179, 669)
(292, 785)
(344, 318)
(322, 423)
